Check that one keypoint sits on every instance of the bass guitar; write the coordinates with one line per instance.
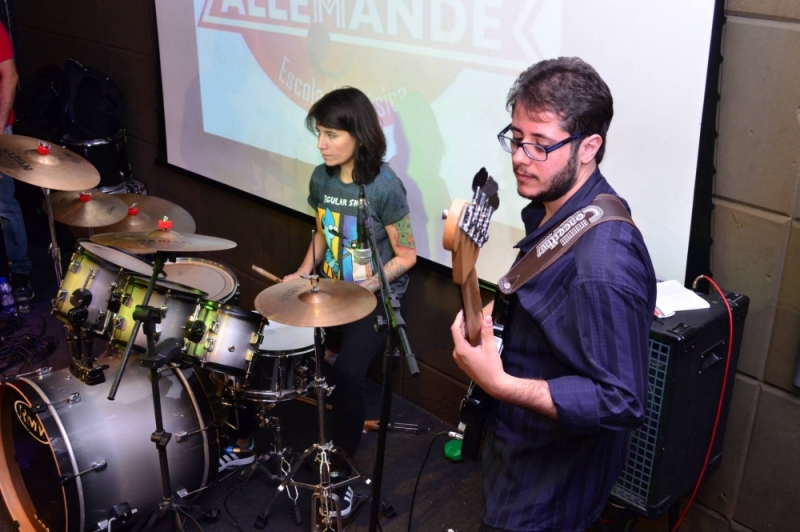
(466, 231)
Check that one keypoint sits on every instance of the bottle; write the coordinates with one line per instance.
(7, 305)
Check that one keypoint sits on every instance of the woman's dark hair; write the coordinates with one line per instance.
(350, 110)
(572, 90)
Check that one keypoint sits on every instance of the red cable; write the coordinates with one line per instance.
(721, 399)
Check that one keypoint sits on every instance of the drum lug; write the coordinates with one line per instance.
(163, 311)
(126, 300)
(62, 295)
(182, 436)
(74, 266)
(248, 355)
(119, 323)
(256, 338)
(215, 327)
(72, 399)
(96, 466)
(210, 344)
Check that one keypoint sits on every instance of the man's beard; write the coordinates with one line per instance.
(561, 182)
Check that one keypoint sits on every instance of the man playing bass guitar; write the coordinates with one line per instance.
(572, 382)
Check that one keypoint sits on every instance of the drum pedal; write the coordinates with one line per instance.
(118, 515)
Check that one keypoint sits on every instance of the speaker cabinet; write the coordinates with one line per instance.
(687, 368)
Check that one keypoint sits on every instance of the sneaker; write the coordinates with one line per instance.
(236, 458)
(346, 498)
(21, 288)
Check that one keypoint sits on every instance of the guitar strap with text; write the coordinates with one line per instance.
(604, 208)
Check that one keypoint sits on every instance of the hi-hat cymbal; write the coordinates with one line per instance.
(144, 212)
(335, 303)
(44, 165)
(162, 240)
(86, 209)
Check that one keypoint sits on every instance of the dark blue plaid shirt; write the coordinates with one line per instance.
(582, 325)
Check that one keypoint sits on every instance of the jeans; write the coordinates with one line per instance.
(14, 235)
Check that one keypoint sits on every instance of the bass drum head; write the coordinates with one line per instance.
(213, 278)
(68, 437)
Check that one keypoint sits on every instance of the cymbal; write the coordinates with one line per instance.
(335, 303)
(45, 165)
(162, 240)
(87, 209)
(144, 212)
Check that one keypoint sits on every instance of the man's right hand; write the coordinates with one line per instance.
(293, 276)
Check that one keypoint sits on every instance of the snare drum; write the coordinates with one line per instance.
(213, 278)
(177, 304)
(283, 368)
(100, 270)
(222, 337)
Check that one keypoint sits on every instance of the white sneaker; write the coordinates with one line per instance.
(345, 497)
(236, 459)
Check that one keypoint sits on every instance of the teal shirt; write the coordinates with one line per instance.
(336, 206)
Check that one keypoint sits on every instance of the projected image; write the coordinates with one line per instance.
(437, 73)
(238, 77)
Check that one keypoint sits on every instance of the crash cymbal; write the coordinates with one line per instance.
(335, 303)
(44, 165)
(162, 240)
(86, 209)
(144, 212)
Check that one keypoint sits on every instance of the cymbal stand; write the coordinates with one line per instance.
(323, 499)
(397, 336)
(156, 357)
(55, 251)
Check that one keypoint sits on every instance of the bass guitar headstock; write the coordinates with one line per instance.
(466, 230)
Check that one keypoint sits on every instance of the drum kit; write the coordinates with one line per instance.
(73, 453)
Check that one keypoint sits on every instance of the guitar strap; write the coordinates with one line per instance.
(604, 208)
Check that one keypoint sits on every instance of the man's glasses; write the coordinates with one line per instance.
(532, 150)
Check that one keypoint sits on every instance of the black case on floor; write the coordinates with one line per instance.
(687, 362)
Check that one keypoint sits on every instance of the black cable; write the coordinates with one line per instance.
(419, 476)
(243, 475)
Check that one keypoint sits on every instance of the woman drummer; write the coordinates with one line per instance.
(353, 146)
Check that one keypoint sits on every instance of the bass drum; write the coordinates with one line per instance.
(72, 435)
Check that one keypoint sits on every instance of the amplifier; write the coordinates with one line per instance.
(687, 363)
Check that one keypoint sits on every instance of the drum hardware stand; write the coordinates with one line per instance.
(80, 342)
(322, 497)
(155, 358)
(278, 454)
(396, 336)
(55, 251)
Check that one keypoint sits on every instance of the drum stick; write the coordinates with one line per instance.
(264, 273)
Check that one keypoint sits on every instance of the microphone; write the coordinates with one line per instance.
(361, 252)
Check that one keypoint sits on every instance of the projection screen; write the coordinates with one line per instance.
(239, 76)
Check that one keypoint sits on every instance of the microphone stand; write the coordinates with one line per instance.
(396, 337)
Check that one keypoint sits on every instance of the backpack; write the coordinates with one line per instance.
(91, 106)
(37, 103)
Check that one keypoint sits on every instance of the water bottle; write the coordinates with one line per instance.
(7, 305)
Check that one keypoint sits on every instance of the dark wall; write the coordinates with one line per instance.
(119, 38)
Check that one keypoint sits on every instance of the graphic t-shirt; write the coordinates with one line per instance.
(336, 206)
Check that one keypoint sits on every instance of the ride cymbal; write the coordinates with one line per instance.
(144, 212)
(162, 240)
(334, 303)
(44, 165)
(86, 209)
